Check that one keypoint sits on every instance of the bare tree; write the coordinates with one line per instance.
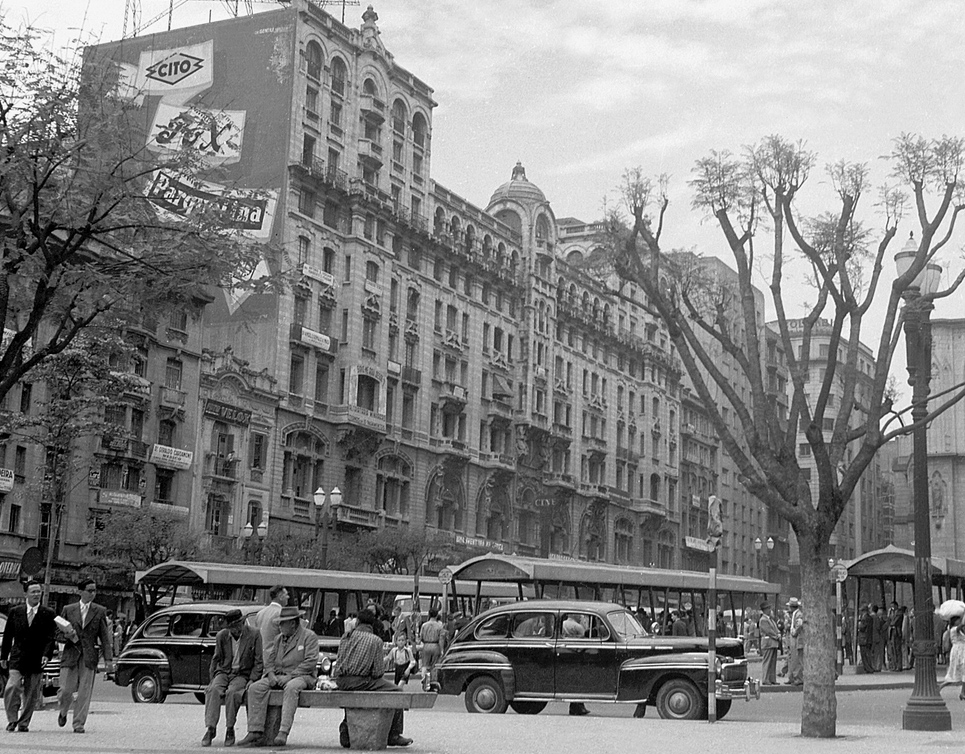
(759, 189)
(79, 240)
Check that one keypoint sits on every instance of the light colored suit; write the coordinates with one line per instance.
(78, 661)
(294, 663)
(265, 622)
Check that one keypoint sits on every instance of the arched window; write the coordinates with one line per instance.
(399, 117)
(302, 470)
(313, 60)
(623, 540)
(392, 480)
(369, 87)
(439, 222)
(339, 76)
(420, 130)
(455, 227)
(487, 246)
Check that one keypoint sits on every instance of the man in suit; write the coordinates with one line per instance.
(292, 667)
(237, 662)
(78, 662)
(770, 643)
(28, 644)
(795, 645)
(265, 620)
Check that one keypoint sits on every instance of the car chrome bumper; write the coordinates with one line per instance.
(750, 689)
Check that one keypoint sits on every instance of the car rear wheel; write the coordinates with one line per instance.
(680, 699)
(485, 695)
(527, 708)
(199, 695)
(146, 688)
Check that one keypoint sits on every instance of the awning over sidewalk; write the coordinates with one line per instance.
(896, 564)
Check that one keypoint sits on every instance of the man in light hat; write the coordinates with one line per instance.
(795, 644)
(237, 662)
(292, 665)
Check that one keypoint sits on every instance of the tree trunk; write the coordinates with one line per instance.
(819, 710)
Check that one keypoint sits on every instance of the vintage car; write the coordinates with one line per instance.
(170, 653)
(530, 653)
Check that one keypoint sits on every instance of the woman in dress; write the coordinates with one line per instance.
(956, 658)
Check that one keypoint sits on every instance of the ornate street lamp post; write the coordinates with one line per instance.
(247, 533)
(926, 709)
(324, 502)
(758, 546)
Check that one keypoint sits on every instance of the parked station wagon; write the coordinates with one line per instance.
(170, 653)
(523, 656)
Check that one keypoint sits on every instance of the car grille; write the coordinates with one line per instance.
(734, 672)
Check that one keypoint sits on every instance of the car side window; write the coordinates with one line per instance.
(157, 627)
(494, 628)
(215, 624)
(533, 624)
(583, 626)
(187, 624)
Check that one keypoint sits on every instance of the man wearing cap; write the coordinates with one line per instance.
(360, 666)
(291, 665)
(795, 644)
(237, 662)
(770, 641)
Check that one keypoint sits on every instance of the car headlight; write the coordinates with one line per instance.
(718, 666)
(326, 665)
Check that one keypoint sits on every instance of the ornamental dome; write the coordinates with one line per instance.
(518, 189)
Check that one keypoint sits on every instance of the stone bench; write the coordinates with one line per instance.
(368, 713)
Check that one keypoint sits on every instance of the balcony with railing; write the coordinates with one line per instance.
(500, 410)
(357, 517)
(647, 506)
(172, 397)
(359, 417)
(221, 467)
(373, 109)
(411, 376)
(594, 490)
(594, 444)
(453, 398)
(370, 152)
(560, 479)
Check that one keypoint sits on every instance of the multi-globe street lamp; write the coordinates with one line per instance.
(758, 546)
(247, 533)
(324, 502)
(926, 709)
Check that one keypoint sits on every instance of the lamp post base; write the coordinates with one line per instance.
(926, 714)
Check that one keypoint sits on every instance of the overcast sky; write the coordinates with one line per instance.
(578, 90)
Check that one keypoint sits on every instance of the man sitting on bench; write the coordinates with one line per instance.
(360, 666)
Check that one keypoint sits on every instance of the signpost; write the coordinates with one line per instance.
(715, 530)
(445, 578)
(838, 573)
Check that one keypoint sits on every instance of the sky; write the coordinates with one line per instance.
(581, 90)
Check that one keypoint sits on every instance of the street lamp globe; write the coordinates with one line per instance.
(319, 498)
(247, 531)
(262, 529)
(336, 496)
(758, 544)
(770, 543)
(926, 281)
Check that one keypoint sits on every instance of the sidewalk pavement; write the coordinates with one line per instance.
(122, 728)
(849, 680)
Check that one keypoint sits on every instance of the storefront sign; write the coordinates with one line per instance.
(317, 273)
(224, 412)
(317, 339)
(126, 499)
(172, 458)
(488, 544)
(6, 480)
(695, 543)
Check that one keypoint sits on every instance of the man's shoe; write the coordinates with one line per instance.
(399, 741)
(254, 738)
(208, 737)
(11, 727)
(579, 709)
(61, 720)
(343, 735)
(640, 711)
(281, 739)
(79, 729)
(23, 729)
(229, 737)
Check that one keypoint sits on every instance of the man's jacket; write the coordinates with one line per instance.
(249, 650)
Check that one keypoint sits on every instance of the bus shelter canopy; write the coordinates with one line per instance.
(897, 564)
(525, 570)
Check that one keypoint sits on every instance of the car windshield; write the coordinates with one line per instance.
(625, 625)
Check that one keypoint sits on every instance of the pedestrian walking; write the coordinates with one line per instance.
(432, 636)
(955, 674)
(878, 638)
(795, 644)
(865, 634)
(401, 658)
(89, 636)
(265, 620)
(237, 662)
(770, 641)
(28, 645)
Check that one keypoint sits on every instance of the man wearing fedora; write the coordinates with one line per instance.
(795, 644)
(237, 662)
(291, 665)
(770, 641)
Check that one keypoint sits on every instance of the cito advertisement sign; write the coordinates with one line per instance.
(182, 68)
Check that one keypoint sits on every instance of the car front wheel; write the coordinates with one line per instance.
(680, 699)
(146, 688)
(485, 695)
(723, 707)
(527, 708)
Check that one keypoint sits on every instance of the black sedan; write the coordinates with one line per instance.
(530, 653)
